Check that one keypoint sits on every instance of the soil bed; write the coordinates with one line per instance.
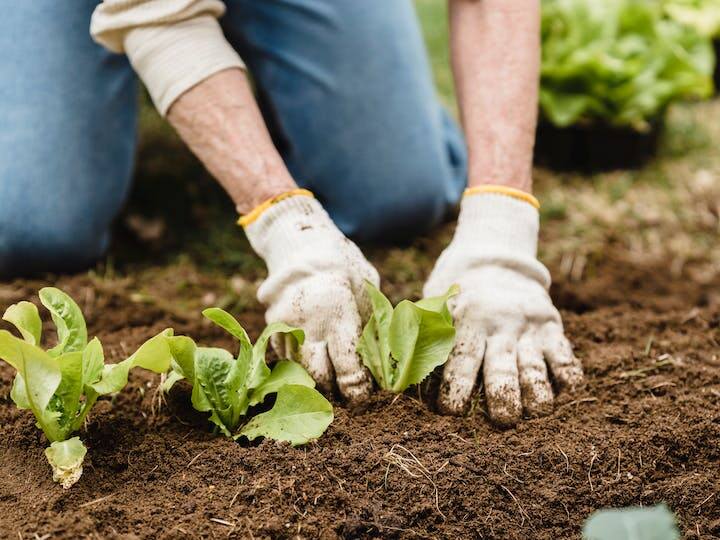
(644, 429)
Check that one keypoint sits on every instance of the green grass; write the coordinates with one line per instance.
(434, 20)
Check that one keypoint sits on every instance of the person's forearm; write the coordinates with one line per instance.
(496, 61)
(220, 121)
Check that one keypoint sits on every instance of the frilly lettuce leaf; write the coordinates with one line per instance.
(618, 62)
(226, 387)
(404, 345)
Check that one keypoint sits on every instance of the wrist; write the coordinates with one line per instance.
(266, 189)
(515, 180)
(497, 223)
(291, 223)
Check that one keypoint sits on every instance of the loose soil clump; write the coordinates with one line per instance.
(644, 429)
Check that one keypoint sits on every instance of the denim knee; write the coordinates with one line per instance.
(398, 207)
(40, 245)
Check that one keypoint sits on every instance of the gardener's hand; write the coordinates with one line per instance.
(316, 282)
(504, 317)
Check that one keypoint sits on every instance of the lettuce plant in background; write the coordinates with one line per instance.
(227, 387)
(618, 62)
(702, 15)
(402, 346)
(61, 385)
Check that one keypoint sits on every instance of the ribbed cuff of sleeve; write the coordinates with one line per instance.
(170, 59)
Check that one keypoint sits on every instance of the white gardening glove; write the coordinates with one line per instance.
(504, 317)
(315, 282)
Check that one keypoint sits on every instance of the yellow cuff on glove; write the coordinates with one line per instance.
(256, 212)
(504, 190)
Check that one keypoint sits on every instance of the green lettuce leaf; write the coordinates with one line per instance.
(217, 388)
(153, 355)
(401, 347)
(68, 319)
(656, 523)
(40, 376)
(284, 372)
(259, 371)
(25, 317)
(300, 414)
(618, 62)
(226, 387)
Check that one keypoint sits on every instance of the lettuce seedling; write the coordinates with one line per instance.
(656, 523)
(227, 387)
(404, 345)
(61, 385)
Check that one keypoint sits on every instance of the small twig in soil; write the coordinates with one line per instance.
(617, 477)
(566, 509)
(193, 459)
(567, 461)
(664, 360)
(223, 522)
(96, 501)
(523, 514)
(297, 510)
(577, 402)
(459, 437)
(380, 528)
(648, 346)
(706, 500)
(410, 464)
(334, 476)
(592, 460)
(232, 501)
(511, 476)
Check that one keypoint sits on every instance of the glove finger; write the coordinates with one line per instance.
(352, 378)
(461, 371)
(362, 298)
(535, 388)
(502, 386)
(566, 368)
(313, 356)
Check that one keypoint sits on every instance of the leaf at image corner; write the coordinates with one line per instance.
(656, 523)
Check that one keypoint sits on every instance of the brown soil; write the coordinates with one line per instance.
(645, 429)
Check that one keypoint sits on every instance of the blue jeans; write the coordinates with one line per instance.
(344, 85)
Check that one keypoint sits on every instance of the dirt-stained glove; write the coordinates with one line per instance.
(504, 316)
(315, 282)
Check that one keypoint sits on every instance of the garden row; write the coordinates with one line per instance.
(241, 395)
(611, 69)
(400, 346)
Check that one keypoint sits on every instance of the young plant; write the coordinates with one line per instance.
(404, 345)
(61, 385)
(227, 387)
(656, 523)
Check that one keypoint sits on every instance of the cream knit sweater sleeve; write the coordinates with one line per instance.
(172, 44)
